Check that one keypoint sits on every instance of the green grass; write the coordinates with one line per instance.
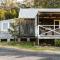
(28, 45)
(21, 44)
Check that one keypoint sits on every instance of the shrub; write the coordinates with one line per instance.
(12, 43)
(57, 43)
(26, 44)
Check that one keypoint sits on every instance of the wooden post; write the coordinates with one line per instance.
(28, 39)
(8, 40)
(19, 39)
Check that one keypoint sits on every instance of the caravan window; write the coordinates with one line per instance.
(5, 26)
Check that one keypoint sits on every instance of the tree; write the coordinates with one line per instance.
(47, 3)
(14, 30)
(10, 2)
(11, 14)
(2, 14)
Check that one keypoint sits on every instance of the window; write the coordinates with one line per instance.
(5, 26)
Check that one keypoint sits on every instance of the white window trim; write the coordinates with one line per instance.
(54, 23)
(2, 29)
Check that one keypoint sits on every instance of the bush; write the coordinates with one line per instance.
(57, 43)
(12, 43)
(26, 44)
(21, 44)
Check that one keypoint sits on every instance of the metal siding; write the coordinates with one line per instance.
(27, 13)
(3, 34)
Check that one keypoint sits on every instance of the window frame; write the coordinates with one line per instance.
(3, 26)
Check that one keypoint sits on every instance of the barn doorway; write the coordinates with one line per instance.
(46, 42)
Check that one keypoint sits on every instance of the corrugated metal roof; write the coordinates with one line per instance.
(28, 13)
(50, 10)
(31, 12)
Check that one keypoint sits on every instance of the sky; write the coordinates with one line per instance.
(17, 0)
(20, 0)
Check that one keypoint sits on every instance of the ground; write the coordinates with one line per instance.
(17, 54)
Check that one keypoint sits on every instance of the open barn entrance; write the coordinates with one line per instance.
(48, 27)
(46, 42)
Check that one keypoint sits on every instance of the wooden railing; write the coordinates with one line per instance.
(49, 31)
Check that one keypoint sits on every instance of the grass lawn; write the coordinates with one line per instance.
(29, 46)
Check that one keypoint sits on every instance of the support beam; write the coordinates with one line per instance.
(36, 26)
(28, 39)
(19, 39)
(8, 40)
